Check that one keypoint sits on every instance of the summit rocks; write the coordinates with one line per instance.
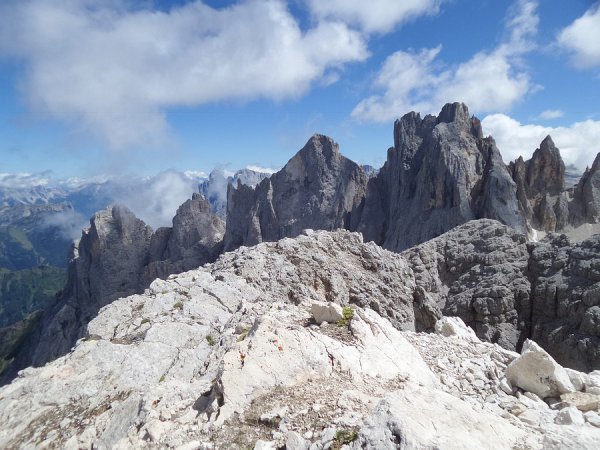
(440, 173)
(318, 188)
(221, 357)
(117, 256)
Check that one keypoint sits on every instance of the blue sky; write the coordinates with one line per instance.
(92, 87)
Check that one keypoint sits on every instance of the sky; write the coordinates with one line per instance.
(104, 87)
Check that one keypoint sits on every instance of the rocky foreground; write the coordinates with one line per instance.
(261, 349)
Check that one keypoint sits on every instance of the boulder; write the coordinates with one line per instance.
(581, 400)
(326, 312)
(454, 326)
(536, 371)
(569, 416)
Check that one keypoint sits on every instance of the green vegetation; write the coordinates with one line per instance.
(178, 305)
(16, 251)
(347, 316)
(210, 340)
(243, 334)
(25, 291)
(11, 338)
(343, 437)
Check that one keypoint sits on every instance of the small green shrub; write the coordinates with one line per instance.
(343, 437)
(210, 340)
(178, 305)
(243, 334)
(347, 316)
(161, 379)
(145, 321)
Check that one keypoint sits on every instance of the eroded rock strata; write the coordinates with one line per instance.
(229, 356)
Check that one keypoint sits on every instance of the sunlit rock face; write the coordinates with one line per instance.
(318, 188)
(440, 173)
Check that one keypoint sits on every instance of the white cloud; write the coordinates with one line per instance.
(115, 71)
(489, 81)
(374, 15)
(551, 114)
(156, 199)
(24, 180)
(260, 169)
(579, 143)
(582, 39)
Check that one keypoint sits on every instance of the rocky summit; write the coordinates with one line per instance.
(447, 300)
(232, 355)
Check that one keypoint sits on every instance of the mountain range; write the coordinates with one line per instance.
(451, 230)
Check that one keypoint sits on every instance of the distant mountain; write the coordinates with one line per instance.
(214, 189)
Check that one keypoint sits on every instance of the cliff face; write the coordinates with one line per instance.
(509, 290)
(440, 173)
(195, 239)
(541, 191)
(107, 263)
(222, 357)
(117, 256)
(318, 188)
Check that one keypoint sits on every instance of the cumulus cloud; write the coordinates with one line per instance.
(551, 114)
(489, 81)
(24, 180)
(115, 69)
(156, 199)
(374, 15)
(261, 169)
(68, 223)
(581, 39)
(579, 143)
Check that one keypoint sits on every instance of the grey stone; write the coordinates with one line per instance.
(293, 441)
(536, 371)
(570, 416)
(440, 173)
(318, 188)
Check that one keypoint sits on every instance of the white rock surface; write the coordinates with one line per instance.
(454, 326)
(223, 357)
(536, 371)
(326, 312)
(570, 416)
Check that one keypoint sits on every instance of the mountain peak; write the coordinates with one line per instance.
(454, 112)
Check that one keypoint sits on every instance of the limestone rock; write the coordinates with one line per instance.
(592, 382)
(454, 326)
(478, 272)
(119, 255)
(399, 420)
(326, 312)
(541, 188)
(570, 416)
(593, 418)
(536, 371)
(583, 401)
(318, 188)
(199, 358)
(440, 173)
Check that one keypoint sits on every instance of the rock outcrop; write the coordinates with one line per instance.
(107, 264)
(215, 188)
(318, 188)
(195, 238)
(509, 290)
(541, 188)
(440, 173)
(218, 358)
(119, 255)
